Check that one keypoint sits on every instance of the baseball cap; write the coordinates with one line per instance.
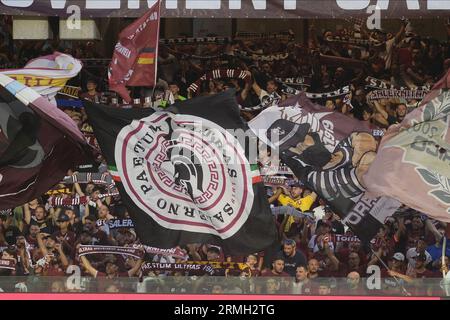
(63, 218)
(398, 256)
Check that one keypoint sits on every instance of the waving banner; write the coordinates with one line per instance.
(184, 175)
(38, 144)
(330, 153)
(134, 61)
(47, 75)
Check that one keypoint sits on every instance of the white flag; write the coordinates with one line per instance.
(47, 75)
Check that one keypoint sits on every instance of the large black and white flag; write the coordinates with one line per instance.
(185, 176)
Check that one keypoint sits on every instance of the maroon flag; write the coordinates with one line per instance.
(412, 164)
(134, 61)
(38, 144)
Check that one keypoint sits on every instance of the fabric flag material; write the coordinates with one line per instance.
(134, 62)
(413, 162)
(329, 152)
(184, 176)
(38, 144)
(47, 75)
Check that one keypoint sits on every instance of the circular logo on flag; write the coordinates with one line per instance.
(187, 173)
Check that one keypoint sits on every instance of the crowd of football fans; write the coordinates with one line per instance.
(317, 253)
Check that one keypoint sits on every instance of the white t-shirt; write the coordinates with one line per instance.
(387, 54)
(412, 253)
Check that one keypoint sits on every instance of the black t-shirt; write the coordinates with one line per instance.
(11, 234)
(337, 227)
(291, 263)
(391, 120)
(77, 227)
(46, 226)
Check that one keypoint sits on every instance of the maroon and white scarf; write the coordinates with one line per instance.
(93, 249)
(218, 74)
(135, 251)
(193, 268)
(173, 252)
(8, 264)
(77, 200)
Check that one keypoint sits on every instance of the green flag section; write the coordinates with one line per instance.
(185, 176)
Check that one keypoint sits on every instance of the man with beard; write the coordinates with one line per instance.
(40, 219)
(301, 284)
(99, 237)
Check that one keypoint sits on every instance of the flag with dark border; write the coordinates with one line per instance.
(186, 174)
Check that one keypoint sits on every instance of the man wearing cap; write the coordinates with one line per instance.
(64, 236)
(397, 269)
(293, 199)
(420, 270)
(420, 248)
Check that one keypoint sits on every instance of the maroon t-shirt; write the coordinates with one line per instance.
(269, 273)
(32, 241)
(93, 98)
(427, 274)
(69, 237)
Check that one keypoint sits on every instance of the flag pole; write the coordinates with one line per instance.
(444, 248)
(387, 268)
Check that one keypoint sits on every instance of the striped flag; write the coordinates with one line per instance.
(256, 175)
(134, 59)
(147, 56)
(47, 75)
(114, 173)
